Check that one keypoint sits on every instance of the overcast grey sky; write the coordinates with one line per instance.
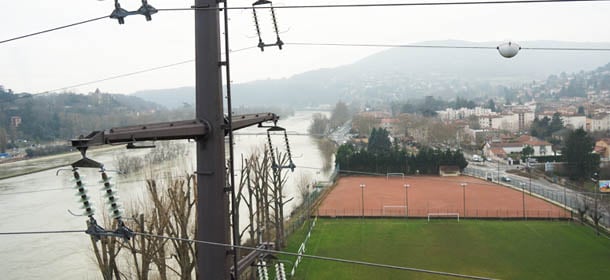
(104, 48)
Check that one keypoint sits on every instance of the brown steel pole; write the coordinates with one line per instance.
(464, 195)
(407, 200)
(212, 201)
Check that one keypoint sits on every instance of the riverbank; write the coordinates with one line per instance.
(29, 166)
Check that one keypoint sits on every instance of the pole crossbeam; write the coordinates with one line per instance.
(187, 129)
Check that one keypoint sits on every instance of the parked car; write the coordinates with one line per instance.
(505, 179)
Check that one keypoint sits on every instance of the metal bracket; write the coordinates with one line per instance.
(120, 14)
(96, 231)
(132, 146)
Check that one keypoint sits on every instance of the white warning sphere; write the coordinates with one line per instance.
(509, 49)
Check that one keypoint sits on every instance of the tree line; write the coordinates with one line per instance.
(381, 156)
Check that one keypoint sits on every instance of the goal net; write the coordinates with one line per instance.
(394, 175)
(394, 210)
(443, 216)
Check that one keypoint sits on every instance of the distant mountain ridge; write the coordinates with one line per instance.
(407, 73)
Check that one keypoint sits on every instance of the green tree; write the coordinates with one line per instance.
(3, 140)
(556, 124)
(379, 142)
(527, 151)
(541, 127)
(577, 152)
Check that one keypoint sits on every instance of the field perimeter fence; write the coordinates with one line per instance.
(304, 211)
(424, 213)
(566, 198)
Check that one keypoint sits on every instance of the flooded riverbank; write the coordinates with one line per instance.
(40, 201)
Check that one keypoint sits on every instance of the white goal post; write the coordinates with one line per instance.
(388, 175)
(444, 215)
(390, 207)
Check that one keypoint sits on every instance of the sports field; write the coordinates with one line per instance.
(467, 196)
(495, 249)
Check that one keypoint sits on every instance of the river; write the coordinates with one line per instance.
(40, 202)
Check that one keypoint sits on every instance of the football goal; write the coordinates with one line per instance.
(443, 215)
(397, 175)
(394, 210)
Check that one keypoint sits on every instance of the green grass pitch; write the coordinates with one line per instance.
(495, 249)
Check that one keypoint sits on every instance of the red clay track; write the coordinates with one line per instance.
(432, 194)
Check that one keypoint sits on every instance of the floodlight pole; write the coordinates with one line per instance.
(407, 199)
(362, 186)
(523, 194)
(498, 179)
(212, 199)
(529, 172)
(464, 195)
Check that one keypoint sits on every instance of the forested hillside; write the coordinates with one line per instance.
(52, 117)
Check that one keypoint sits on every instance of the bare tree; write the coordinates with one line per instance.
(276, 195)
(182, 194)
(596, 214)
(304, 189)
(583, 208)
(106, 249)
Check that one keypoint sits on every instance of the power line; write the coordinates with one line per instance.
(53, 29)
(319, 6)
(121, 75)
(41, 232)
(436, 46)
(387, 266)
(364, 5)
(136, 72)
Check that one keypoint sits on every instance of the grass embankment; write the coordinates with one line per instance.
(496, 249)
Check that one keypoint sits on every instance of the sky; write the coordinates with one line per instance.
(104, 48)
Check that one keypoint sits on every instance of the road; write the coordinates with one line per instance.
(341, 134)
(538, 186)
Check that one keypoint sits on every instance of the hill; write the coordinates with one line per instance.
(49, 117)
(404, 73)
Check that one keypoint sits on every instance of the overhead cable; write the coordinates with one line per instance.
(41, 232)
(387, 266)
(121, 76)
(136, 72)
(365, 5)
(426, 46)
(53, 29)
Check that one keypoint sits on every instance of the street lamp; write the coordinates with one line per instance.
(362, 186)
(464, 194)
(407, 186)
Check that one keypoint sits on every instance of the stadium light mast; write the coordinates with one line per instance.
(362, 186)
(407, 186)
(464, 195)
(523, 194)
